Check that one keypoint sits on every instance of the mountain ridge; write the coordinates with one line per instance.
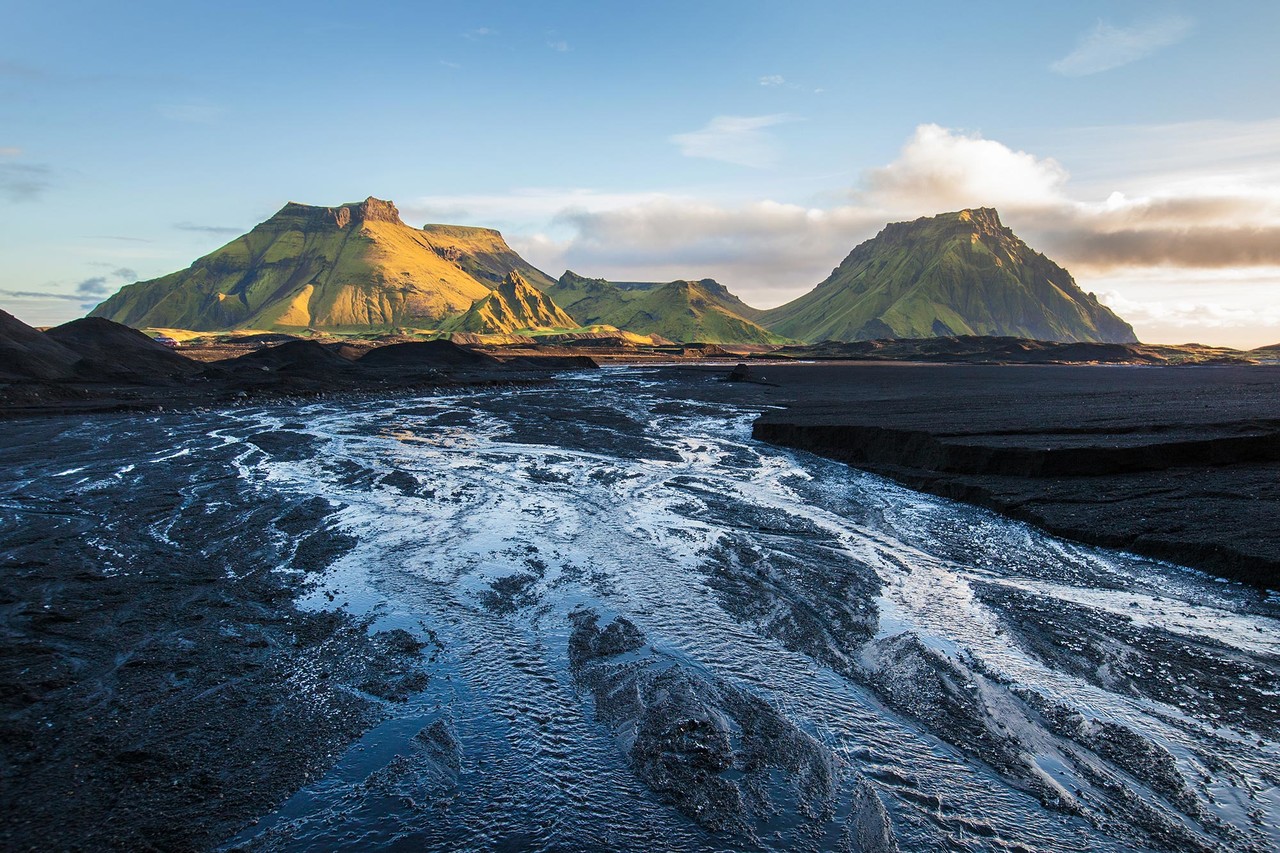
(703, 311)
(512, 307)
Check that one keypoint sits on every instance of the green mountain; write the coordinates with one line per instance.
(685, 311)
(514, 306)
(356, 267)
(959, 273)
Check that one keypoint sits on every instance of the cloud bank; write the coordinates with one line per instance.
(770, 251)
(1177, 221)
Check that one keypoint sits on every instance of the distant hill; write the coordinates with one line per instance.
(685, 311)
(352, 268)
(960, 273)
(86, 350)
(27, 353)
(513, 307)
(119, 351)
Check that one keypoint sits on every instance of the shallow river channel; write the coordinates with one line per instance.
(648, 631)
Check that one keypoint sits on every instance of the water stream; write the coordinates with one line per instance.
(992, 687)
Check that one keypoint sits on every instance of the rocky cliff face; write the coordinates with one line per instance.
(513, 306)
(355, 267)
(961, 273)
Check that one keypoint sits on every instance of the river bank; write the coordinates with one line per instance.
(1181, 464)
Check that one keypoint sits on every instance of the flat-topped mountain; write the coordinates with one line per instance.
(356, 267)
(703, 311)
(960, 273)
(513, 306)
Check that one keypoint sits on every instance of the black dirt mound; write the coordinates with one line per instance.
(599, 343)
(26, 353)
(553, 362)
(347, 350)
(295, 356)
(429, 354)
(113, 350)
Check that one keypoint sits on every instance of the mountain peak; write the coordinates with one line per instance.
(516, 284)
(370, 210)
(958, 273)
(513, 306)
(354, 266)
(983, 217)
(681, 310)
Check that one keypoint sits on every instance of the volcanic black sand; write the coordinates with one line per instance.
(1182, 464)
(150, 656)
(160, 688)
(117, 369)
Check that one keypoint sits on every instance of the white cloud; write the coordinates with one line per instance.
(10, 151)
(1180, 306)
(1196, 259)
(740, 140)
(1106, 47)
(937, 170)
(558, 45)
(941, 169)
(771, 80)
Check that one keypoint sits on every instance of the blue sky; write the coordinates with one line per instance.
(1137, 143)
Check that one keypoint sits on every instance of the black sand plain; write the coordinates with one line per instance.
(1177, 463)
(159, 707)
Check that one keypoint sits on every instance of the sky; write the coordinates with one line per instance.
(1136, 143)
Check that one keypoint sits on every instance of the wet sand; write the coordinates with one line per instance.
(206, 612)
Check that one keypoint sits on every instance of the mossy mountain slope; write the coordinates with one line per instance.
(961, 273)
(685, 311)
(513, 306)
(356, 267)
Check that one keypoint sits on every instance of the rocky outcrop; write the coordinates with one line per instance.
(514, 306)
(306, 216)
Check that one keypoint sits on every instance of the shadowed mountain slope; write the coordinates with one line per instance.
(960, 273)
